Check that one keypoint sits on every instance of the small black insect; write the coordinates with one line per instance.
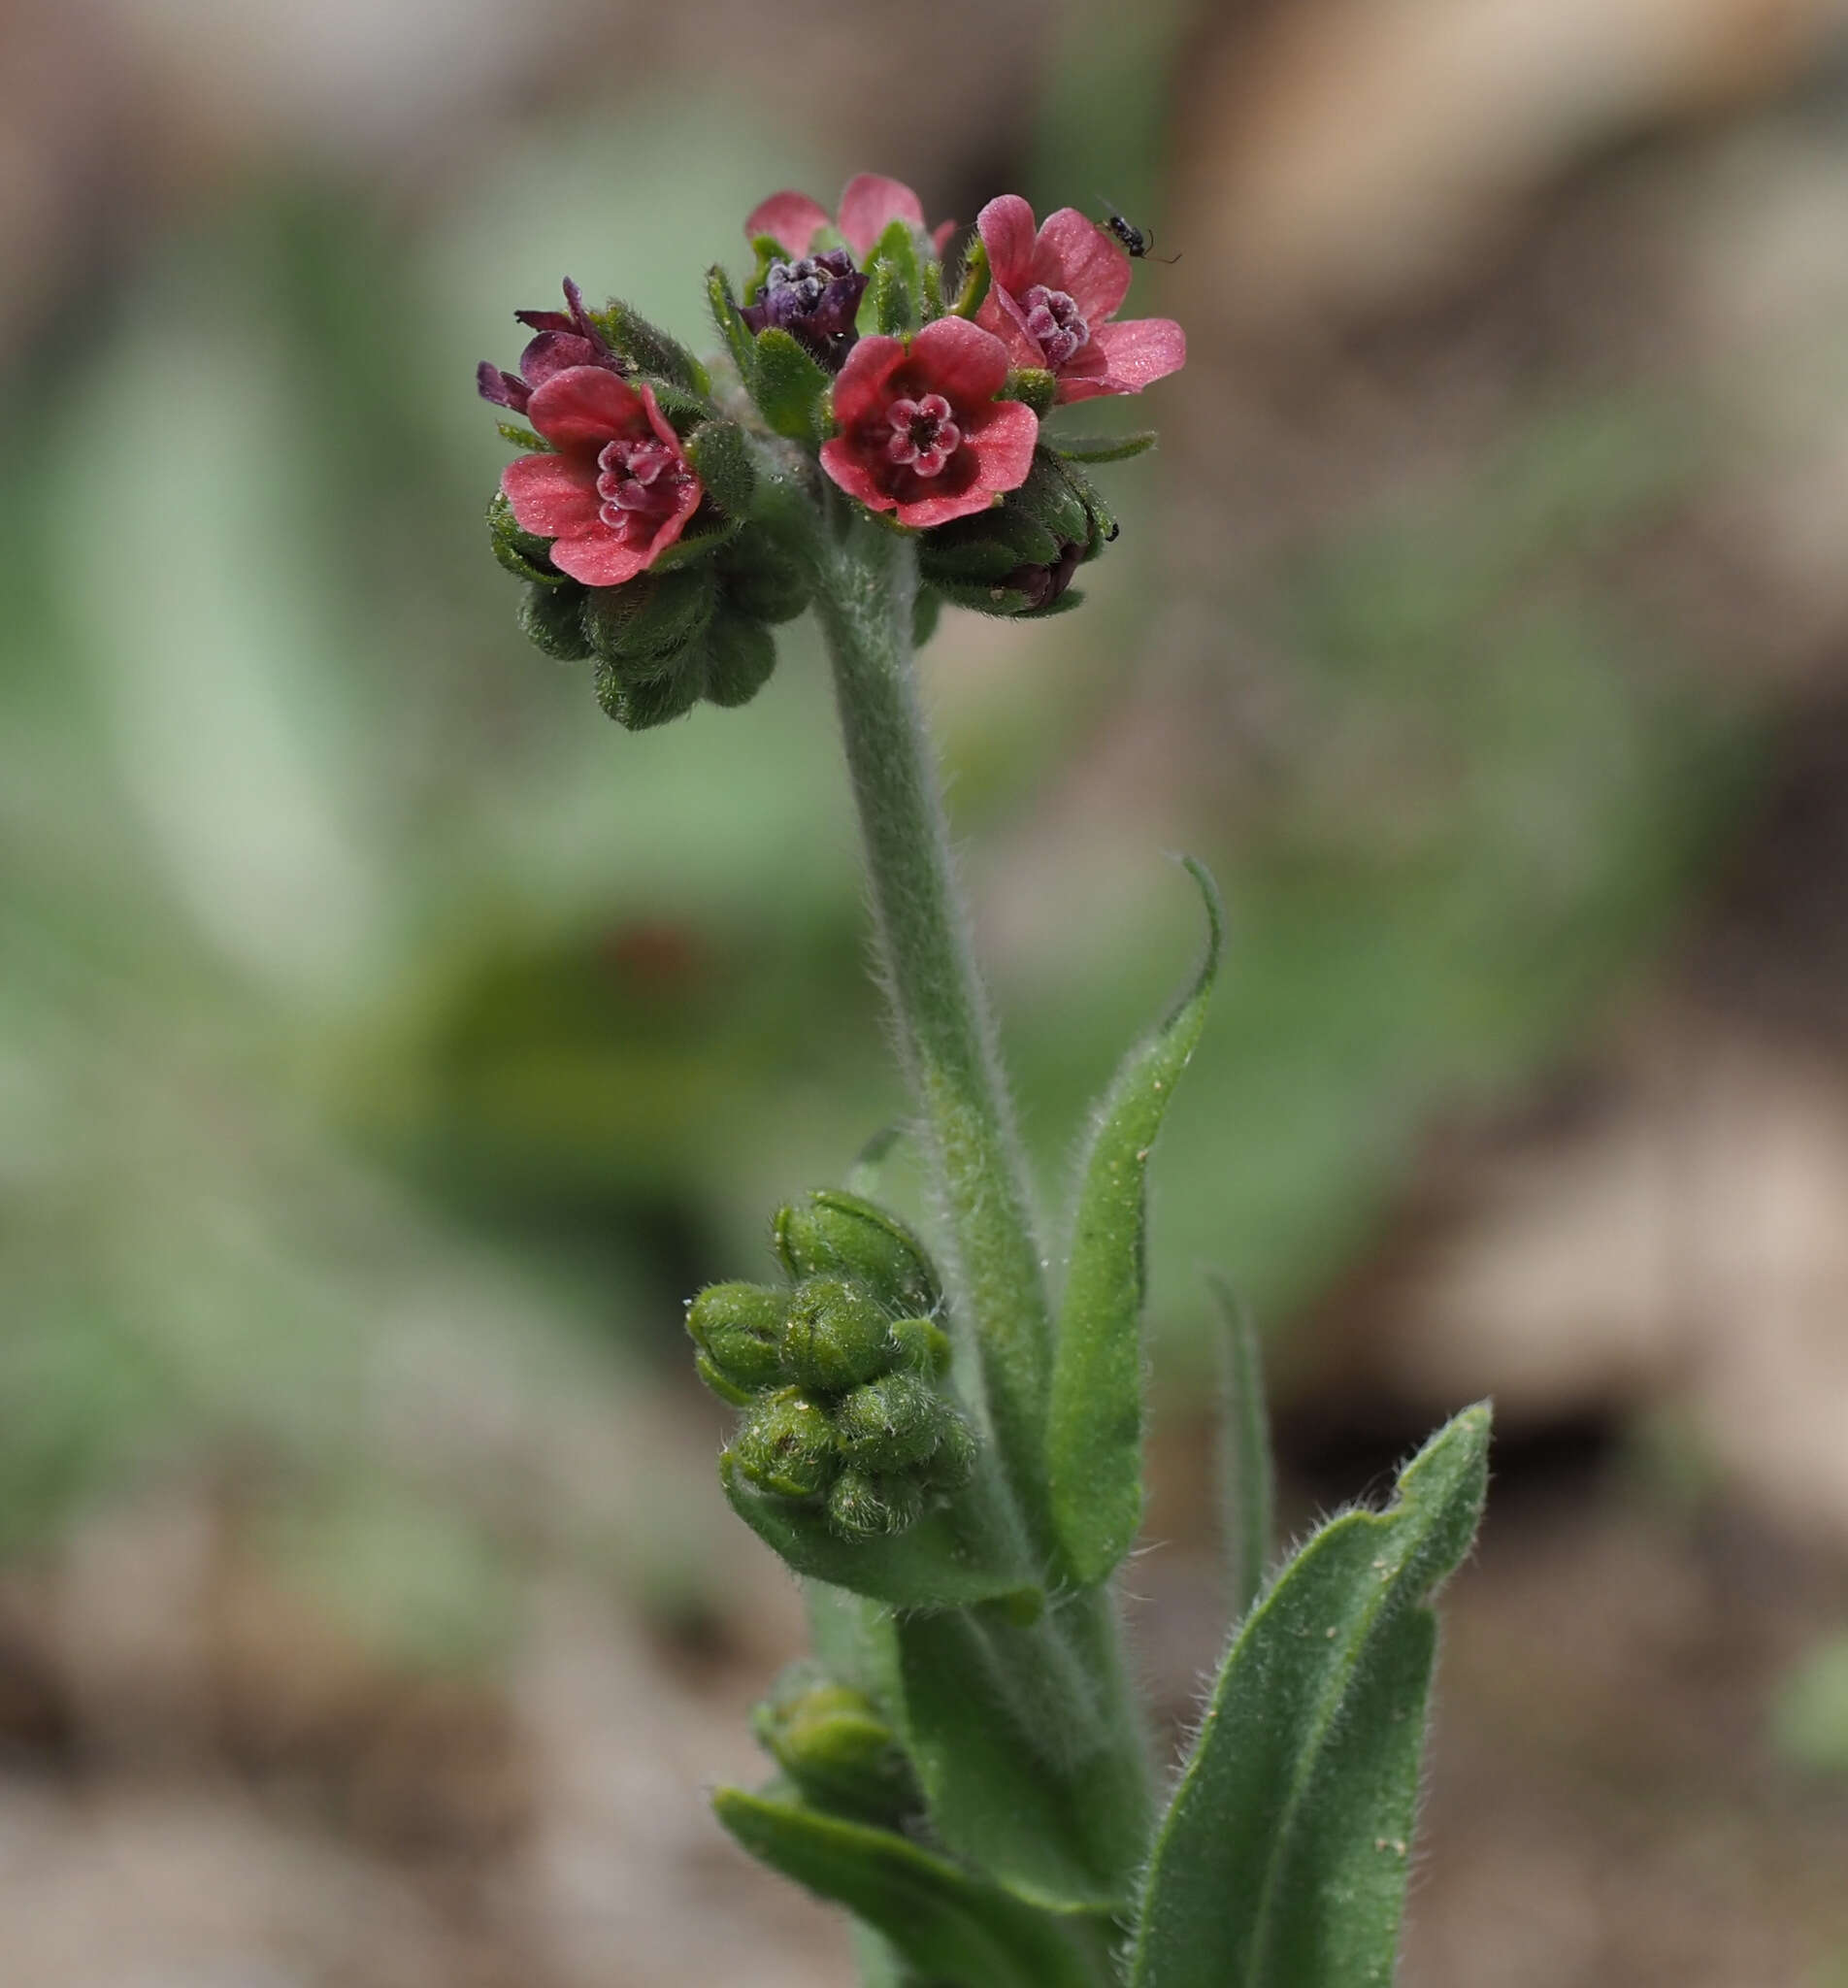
(1138, 242)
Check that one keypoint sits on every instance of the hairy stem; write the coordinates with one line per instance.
(867, 583)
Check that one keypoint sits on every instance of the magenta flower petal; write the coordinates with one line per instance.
(1003, 445)
(965, 363)
(864, 386)
(1075, 255)
(553, 496)
(869, 205)
(600, 559)
(1141, 351)
(1006, 227)
(789, 219)
(583, 407)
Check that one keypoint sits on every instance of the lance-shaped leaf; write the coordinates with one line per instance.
(787, 385)
(1281, 1860)
(726, 314)
(952, 1558)
(1246, 1489)
(951, 1926)
(1094, 1436)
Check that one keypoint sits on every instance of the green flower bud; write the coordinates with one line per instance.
(865, 1506)
(721, 459)
(786, 1446)
(1019, 557)
(892, 1423)
(923, 1348)
(788, 384)
(738, 1330)
(838, 1334)
(726, 1390)
(836, 1746)
(552, 620)
(650, 618)
(760, 576)
(952, 1463)
(741, 655)
(839, 1230)
(649, 348)
(641, 702)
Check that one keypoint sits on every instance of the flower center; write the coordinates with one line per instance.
(1056, 324)
(800, 287)
(638, 483)
(923, 436)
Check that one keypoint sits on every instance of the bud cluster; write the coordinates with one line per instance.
(661, 524)
(839, 1372)
(837, 1748)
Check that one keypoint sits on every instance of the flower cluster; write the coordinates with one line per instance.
(659, 519)
(839, 1371)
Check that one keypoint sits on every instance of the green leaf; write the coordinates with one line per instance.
(933, 289)
(787, 383)
(975, 279)
(1246, 1487)
(947, 1560)
(523, 438)
(1016, 1780)
(953, 1928)
(1094, 1434)
(1103, 447)
(891, 299)
(1281, 1860)
(732, 327)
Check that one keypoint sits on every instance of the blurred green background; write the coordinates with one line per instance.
(388, 1045)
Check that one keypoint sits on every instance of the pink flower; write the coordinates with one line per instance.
(868, 206)
(1052, 296)
(566, 337)
(619, 491)
(921, 431)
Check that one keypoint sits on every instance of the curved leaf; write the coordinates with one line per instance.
(947, 1560)
(1246, 1490)
(1094, 1436)
(956, 1929)
(1103, 447)
(1281, 1860)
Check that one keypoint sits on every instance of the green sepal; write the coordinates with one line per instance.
(786, 1446)
(641, 702)
(944, 1561)
(1102, 519)
(836, 1745)
(948, 1924)
(730, 321)
(1033, 386)
(649, 349)
(1094, 1427)
(707, 530)
(552, 620)
(973, 288)
(685, 411)
(1004, 602)
(788, 385)
(931, 278)
(641, 625)
(1103, 447)
(890, 297)
(894, 283)
(1281, 1860)
(766, 249)
(523, 438)
(721, 459)
(762, 577)
(738, 1330)
(838, 1334)
(740, 655)
(520, 552)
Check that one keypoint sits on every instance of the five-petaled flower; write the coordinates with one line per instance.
(1052, 295)
(566, 337)
(617, 492)
(922, 434)
(870, 204)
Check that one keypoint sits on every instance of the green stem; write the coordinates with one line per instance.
(868, 583)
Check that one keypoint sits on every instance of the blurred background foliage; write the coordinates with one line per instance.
(387, 1044)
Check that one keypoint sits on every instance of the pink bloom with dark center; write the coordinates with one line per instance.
(620, 489)
(1052, 296)
(922, 434)
(566, 337)
(869, 205)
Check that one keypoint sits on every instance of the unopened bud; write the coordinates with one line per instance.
(865, 1506)
(923, 1347)
(836, 1746)
(738, 1330)
(786, 1446)
(838, 1334)
(892, 1423)
(838, 1230)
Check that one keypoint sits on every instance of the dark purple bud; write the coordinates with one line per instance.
(815, 300)
(1043, 585)
(565, 338)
